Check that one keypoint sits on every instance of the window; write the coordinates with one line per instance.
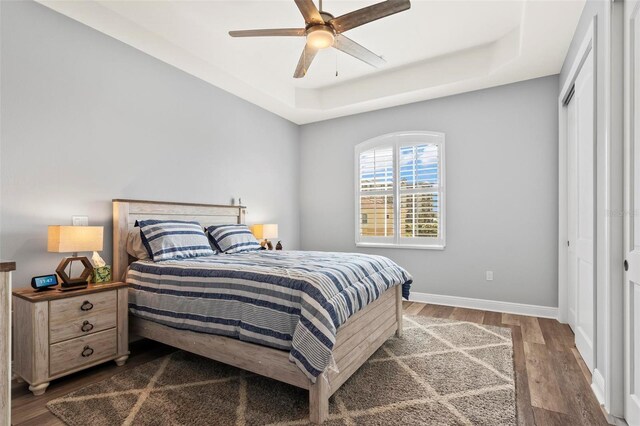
(400, 191)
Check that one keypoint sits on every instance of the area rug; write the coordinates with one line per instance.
(441, 372)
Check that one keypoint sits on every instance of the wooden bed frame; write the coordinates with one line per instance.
(357, 339)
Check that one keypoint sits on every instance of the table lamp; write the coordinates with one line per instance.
(74, 239)
(264, 232)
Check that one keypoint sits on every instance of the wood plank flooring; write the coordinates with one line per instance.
(552, 383)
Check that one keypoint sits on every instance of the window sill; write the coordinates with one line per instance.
(403, 246)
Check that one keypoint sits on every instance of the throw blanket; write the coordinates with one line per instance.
(290, 300)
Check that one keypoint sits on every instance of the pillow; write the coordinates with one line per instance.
(174, 239)
(233, 238)
(135, 246)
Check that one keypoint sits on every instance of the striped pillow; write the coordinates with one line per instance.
(233, 238)
(174, 239)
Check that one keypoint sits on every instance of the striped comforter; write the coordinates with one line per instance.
(290, 300)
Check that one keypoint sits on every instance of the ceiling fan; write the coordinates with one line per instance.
(323, 30)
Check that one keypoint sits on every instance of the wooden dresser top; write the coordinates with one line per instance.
(54, 294)
(7, 266)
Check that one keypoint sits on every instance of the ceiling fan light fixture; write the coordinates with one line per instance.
(320, 37)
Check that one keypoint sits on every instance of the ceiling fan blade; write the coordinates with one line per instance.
(309, 11)
(352, 48)
(368, 14)
(268, 32)
(305, 61)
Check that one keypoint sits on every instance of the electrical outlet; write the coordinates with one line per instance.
(489, 275)
(80, 220)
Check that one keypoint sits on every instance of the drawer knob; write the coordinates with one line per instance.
(87, 351)
(86, 306)
(86, 326)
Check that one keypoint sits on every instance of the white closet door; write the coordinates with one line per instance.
(581, 116)
(632, 205)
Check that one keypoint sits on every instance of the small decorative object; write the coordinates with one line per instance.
(74, 239)
(279, 246)
(102, 274)
(264, 232)
(101, 271)
(44, 282)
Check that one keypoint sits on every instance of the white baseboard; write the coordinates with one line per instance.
(597, 385)
(486, 305)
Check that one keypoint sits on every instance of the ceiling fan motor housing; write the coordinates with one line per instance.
(326, 16)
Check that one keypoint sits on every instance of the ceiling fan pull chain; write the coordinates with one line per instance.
(320, 5)
(336, 52)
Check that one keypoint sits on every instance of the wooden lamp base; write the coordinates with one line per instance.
(74, 283)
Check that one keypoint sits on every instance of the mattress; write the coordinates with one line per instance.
(289, 300)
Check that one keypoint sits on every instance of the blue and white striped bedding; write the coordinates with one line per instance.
(290, 300)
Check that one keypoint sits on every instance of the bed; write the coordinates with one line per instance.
(313, 320)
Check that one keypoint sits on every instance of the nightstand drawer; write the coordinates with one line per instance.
(61, 328)
(77, 352)
(81, 307)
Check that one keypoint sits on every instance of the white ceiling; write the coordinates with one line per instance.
(436, 48)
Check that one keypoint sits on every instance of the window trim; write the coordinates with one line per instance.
(396, 140)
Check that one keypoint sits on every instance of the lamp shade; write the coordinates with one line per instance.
(265, 231)
(72, 239)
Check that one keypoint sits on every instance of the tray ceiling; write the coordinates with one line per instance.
(437, 48)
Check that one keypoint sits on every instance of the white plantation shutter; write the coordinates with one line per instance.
(400, 190)
(419, 183)
(376, 192)
(376, 169)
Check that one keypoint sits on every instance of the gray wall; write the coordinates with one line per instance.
(502, 190)
(86, 118)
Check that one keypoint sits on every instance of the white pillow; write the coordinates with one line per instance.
(135, 247)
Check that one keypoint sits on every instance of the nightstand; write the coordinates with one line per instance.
(57, 333)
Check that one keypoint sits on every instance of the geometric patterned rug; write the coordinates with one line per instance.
(441, 372)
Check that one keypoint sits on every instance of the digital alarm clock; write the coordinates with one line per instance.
(43, 282)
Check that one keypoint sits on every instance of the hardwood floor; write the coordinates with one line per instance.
(552, 383)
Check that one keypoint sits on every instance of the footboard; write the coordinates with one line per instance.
(357, 339)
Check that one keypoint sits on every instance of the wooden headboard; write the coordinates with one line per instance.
(126, 212)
